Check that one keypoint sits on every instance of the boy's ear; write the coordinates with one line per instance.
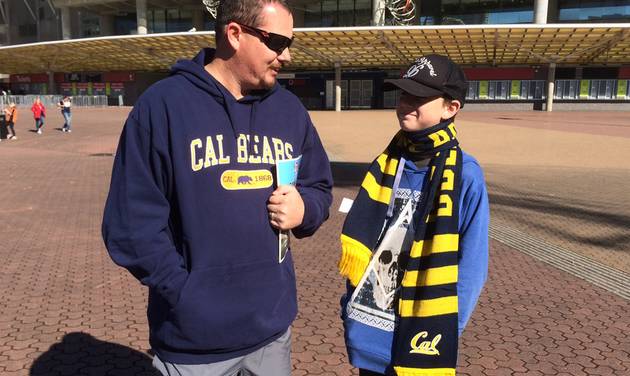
(451, 108)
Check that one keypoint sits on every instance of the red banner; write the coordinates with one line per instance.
(118, 77)
(41, 78)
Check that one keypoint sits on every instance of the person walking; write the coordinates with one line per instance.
(11, 116)
(39, 114)
(415, 242)
(193, 210)
(66, 111)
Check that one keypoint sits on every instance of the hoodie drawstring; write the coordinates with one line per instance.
(252, 122)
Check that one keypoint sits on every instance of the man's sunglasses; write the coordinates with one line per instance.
(275, 42)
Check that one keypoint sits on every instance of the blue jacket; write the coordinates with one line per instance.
(370, 347)
(187, 216)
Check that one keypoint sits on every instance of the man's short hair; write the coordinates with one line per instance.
(246, 12)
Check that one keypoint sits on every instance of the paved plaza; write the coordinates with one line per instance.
(556, 301)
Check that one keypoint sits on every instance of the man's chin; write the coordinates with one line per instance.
(268, 83)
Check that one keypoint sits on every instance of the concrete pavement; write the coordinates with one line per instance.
(559, 180)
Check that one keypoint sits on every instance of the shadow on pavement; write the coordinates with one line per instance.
(597, 217)
(347, 174)
(350, 174)
(82, 354)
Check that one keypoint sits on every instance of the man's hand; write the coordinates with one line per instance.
(286, 208)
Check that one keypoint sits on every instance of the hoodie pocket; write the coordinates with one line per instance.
(223, 309)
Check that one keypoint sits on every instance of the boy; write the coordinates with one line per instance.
(423, 210)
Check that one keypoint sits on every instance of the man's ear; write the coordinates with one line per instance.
(451, 108)
(232, 35)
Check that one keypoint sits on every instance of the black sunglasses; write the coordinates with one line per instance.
(275, 42)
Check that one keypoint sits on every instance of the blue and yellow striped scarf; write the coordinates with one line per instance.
(425, 338)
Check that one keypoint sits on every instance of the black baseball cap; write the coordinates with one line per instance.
(432, 75)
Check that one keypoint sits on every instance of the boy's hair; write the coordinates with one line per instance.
(246, 12)
(447, 102)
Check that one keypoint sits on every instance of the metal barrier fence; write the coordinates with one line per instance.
(53, 100)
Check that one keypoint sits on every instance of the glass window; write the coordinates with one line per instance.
(539, 90)
(594, 88)
(330, 94)
(313, 14)
(186, 19)
(472, 12)
(345, 16)
(178, 20)
(567, 89)
(559, 89)
(159, 21)
(329, 13)
(498, 89)
(525, 90)
(363, 12)
(492, 87)
(27, 30)
(390, 98)
(90, 25)
(602, 89)
(504, 89)
(126, 24)
(573, 89)
(593, 11)
(172, 20)
(510, 17)
(532, 89)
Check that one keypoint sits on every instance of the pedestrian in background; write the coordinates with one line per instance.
(11, 116)
(39, 114)
(66, 111)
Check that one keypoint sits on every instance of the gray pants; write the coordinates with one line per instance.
(271, 360)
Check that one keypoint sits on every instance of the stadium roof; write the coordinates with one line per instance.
(356, 47)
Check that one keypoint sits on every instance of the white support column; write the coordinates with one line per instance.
(141, 16)
(66, 23)
(541, 7)
(338, 87)
(551, 85)
(378, 12)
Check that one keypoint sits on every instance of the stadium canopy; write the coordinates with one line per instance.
(349, 48)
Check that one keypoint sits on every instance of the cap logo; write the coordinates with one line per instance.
(418, 65)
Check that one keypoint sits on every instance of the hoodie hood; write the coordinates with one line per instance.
(195, 72)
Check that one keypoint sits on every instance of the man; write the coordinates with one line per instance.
(424, 201)
(192, 210)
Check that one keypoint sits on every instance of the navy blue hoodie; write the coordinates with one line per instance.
(186, 212)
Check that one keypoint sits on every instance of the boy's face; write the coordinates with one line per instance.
(416, 113)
